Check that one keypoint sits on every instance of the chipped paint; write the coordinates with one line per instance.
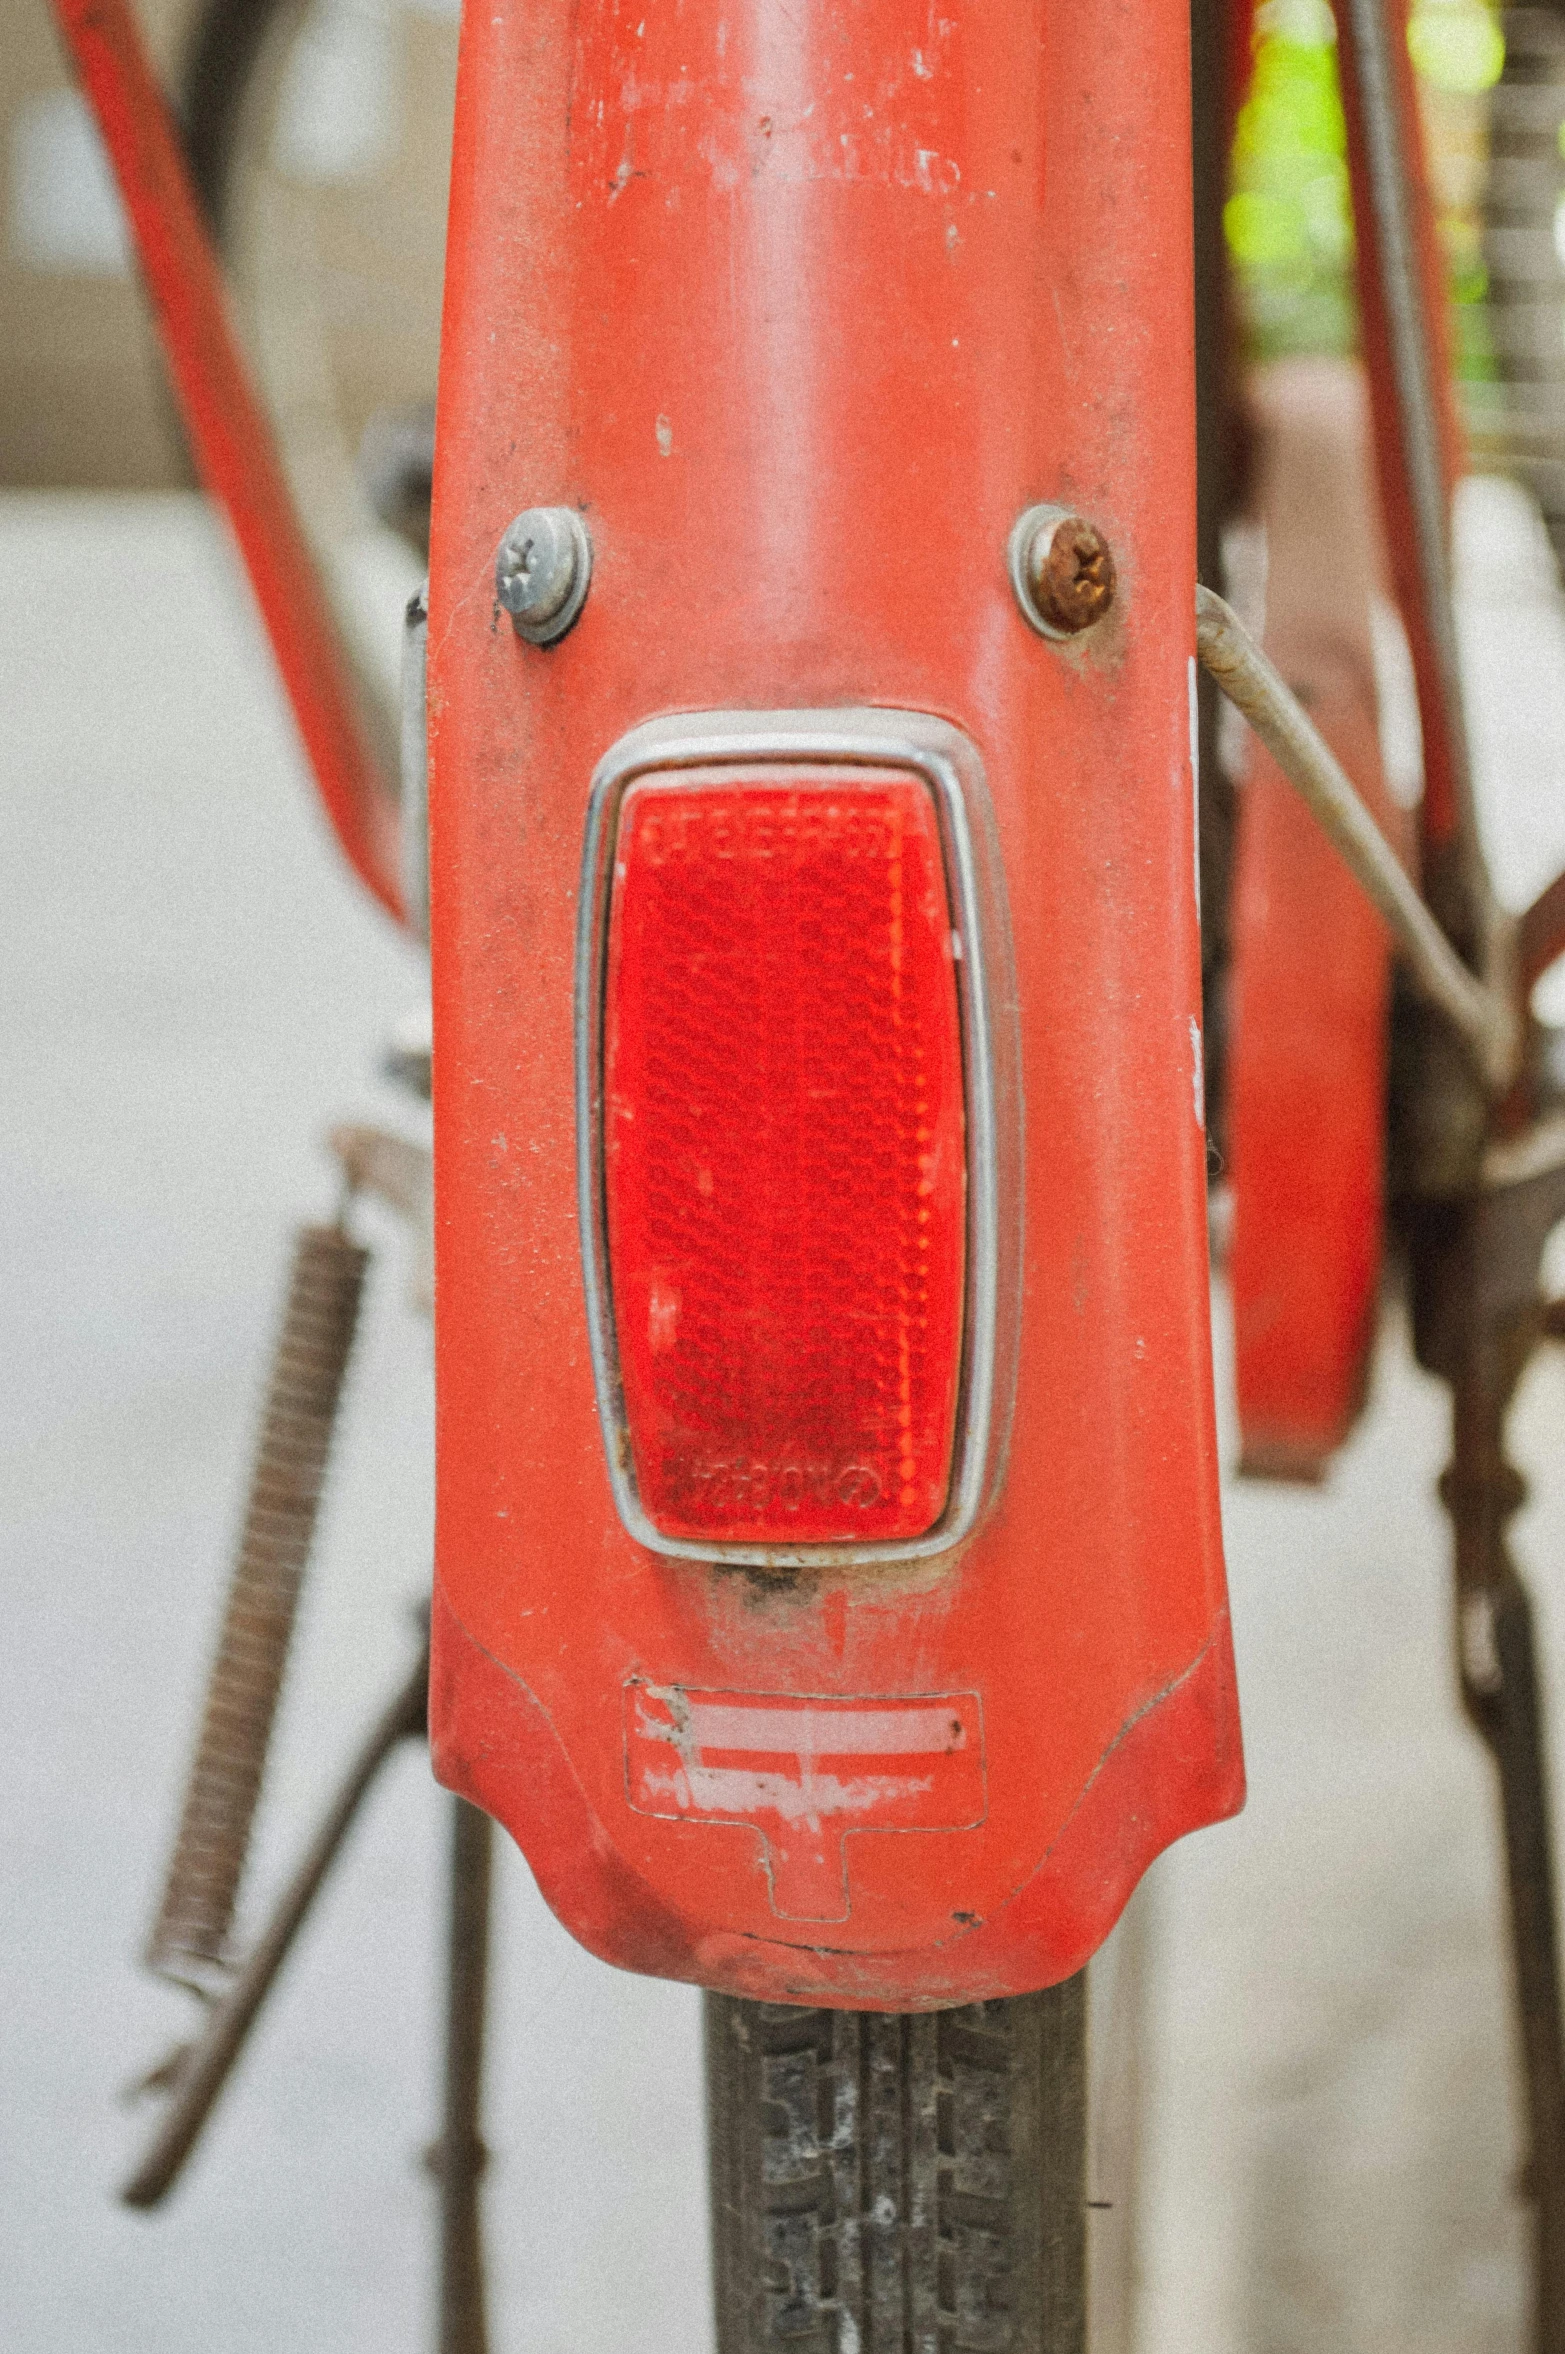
(757, 1758)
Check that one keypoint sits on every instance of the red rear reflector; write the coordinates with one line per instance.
(784, 1157)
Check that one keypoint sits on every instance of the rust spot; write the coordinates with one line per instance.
(1071, 575)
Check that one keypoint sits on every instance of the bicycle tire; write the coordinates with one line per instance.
(893, 2184)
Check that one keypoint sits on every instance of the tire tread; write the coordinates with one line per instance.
(891, 2184)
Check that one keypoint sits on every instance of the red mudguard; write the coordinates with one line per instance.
(799, 309)
(1312, 957)
(1312, 962)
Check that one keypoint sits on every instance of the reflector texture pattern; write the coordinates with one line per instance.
(785, 1171)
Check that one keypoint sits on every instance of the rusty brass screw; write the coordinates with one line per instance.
(1070, 571)
(1062, 569)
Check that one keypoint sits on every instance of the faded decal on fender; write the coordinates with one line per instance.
(805, 1770)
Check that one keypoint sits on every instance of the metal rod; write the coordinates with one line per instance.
(1540, 933)
(460, 2155)
(1481, 1016)
(1517, 1746)
(1499, 1673)
(206, 2068)
(1402, 292)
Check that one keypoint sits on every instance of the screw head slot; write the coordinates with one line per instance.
(1062, 570)
(542, 572)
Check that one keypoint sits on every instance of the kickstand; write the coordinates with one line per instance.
(206, 2065)
(195, 2077)
(457, 2160)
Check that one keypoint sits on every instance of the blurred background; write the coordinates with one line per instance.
(338, 110)
(81, 385)
(194, 992)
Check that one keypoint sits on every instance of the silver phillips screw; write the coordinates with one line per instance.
(542, 572)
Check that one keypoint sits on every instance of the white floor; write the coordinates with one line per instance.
(191, 991)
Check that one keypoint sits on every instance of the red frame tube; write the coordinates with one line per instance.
(230, 435)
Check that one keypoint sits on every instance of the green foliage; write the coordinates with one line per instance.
(1289, 215)
(1288, 219)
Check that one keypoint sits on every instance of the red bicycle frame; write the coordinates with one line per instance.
(799, 370)
(230, 435)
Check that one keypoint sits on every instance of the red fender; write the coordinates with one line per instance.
(1312, 958)
(799, 310)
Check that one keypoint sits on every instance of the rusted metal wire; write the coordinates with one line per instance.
(190, 1937)
(1482, 1018)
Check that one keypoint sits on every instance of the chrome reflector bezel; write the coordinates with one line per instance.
(949, 765)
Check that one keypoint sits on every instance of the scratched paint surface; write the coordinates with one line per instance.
(800, 1770)
(810, 304)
